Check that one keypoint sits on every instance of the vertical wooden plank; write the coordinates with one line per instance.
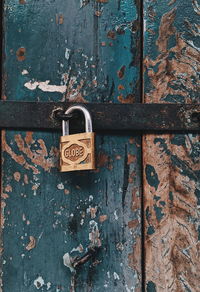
(171, 162)
(70, 51)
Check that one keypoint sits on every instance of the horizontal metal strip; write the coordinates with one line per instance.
(106, 116)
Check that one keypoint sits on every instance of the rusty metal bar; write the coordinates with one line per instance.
(106, 116)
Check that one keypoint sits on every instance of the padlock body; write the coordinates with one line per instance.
(77, 152)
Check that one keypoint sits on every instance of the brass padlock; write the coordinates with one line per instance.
(77, 151)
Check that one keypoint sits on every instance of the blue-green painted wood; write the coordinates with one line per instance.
(76, 51)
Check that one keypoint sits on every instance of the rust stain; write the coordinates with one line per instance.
(29, 138)
(93, 211)
(134, 259)
(59, 19)
(31, 244)
(103, 218)
(103, 160)
(3, 205)
(22, 2)
(172, 2)
(111, 34)
(131, 159)
(118, 157)
(102, 1)
(121, 87)
(35, 187)
(66, 192)
(21, 54)
(133, 224)
(26, 179)
(17, 176)
(130, 98)
(98, 13)
(132, 176)
(4, 196)
(136, 202)
(121, 72)
(8, 188)
(132, 140)
(73, 91)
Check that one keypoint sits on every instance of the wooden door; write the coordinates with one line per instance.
(140, 206)
(78, 51)
(171, 163)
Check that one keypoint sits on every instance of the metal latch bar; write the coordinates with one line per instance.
(106, 116)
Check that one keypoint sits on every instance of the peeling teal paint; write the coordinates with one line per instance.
(158, 211)
(157, 198)
(152, 176)
(163, 203)
(171, 197)
(64, 59)
(150, 230)
(151, 287)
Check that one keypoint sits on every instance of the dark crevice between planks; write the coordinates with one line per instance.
(1, 92)
(143, 280)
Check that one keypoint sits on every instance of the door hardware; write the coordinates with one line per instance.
(106, 116)
(77, 150)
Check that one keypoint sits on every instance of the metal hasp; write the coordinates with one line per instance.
(107, 116)
(87, 116)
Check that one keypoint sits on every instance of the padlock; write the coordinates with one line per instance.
(77, 151)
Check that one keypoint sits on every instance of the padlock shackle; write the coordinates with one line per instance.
(87, 116)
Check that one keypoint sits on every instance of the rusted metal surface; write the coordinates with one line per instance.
(75, 51)
(146, 117)
(171, 162)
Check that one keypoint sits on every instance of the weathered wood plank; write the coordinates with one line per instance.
(171, 162)
(70, 51)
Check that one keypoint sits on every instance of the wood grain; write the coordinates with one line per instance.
(171, 162)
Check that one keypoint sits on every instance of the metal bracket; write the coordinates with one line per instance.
(106, 116)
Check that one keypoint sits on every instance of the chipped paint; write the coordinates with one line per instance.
(115, 215)
(68, 262)
(67, 53)
(17, 176)
(32, 243)
(78, 248)
(94, 235)
(171, 176)
(84, 3)
(24, 72)
(37, 157)
(103, 218)
(45, 86)
(21, 54)
(38, 205)
(116, 276)
(48, 286)
(39, 282)
(60, 186)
